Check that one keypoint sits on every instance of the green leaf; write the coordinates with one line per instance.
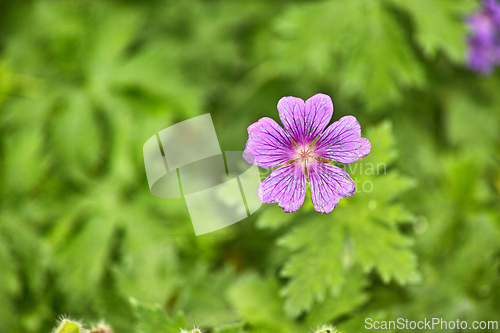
(152, 319)
(384, 148)
(467, 115)
(360, 41)
(205, 306)
(378, 39)
(73, 266)
(234, 328)
(440, 25)
(149, 263)
(76, 137)
(22, 271)
(258, 303)
(350, 297)
(273, 217)
(24, 163)
(6, 81)
(312, 272)
(324, 248)
(9, 283)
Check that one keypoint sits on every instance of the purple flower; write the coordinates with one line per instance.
(486, 22)
(303, 152)
(484, 42)
(483, 56)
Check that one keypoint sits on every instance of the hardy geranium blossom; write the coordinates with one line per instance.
(484, 42)
(303, 152)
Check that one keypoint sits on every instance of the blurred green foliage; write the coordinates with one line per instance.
(83, 84)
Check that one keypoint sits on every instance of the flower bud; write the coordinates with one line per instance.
(68, 326)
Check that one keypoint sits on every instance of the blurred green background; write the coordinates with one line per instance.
(83, 84)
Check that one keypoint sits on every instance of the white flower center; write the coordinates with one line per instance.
(305, 153)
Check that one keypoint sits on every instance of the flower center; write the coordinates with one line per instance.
(304, 154)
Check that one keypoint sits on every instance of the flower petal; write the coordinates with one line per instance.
(328, 185)
(286, 186)
(342, 141)
(483, 55)
(492, 9)
(291, 110)
(305, 121)
(268, 145)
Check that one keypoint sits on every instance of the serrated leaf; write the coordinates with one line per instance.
(350, 297)
(21, 172)
(76, 137)
(152, 319)
(94, 239)
(440, 25)
(257, 301)
(384, 44)
(149, 263)
(361, 41)
(24, 162)
(147, 270)
(385, 249)
(383, 151)
(362, 231)
(313, 273)
(196, 298)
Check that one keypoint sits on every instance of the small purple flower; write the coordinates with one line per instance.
(303, 152)
(483, 56)
(484, 42)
